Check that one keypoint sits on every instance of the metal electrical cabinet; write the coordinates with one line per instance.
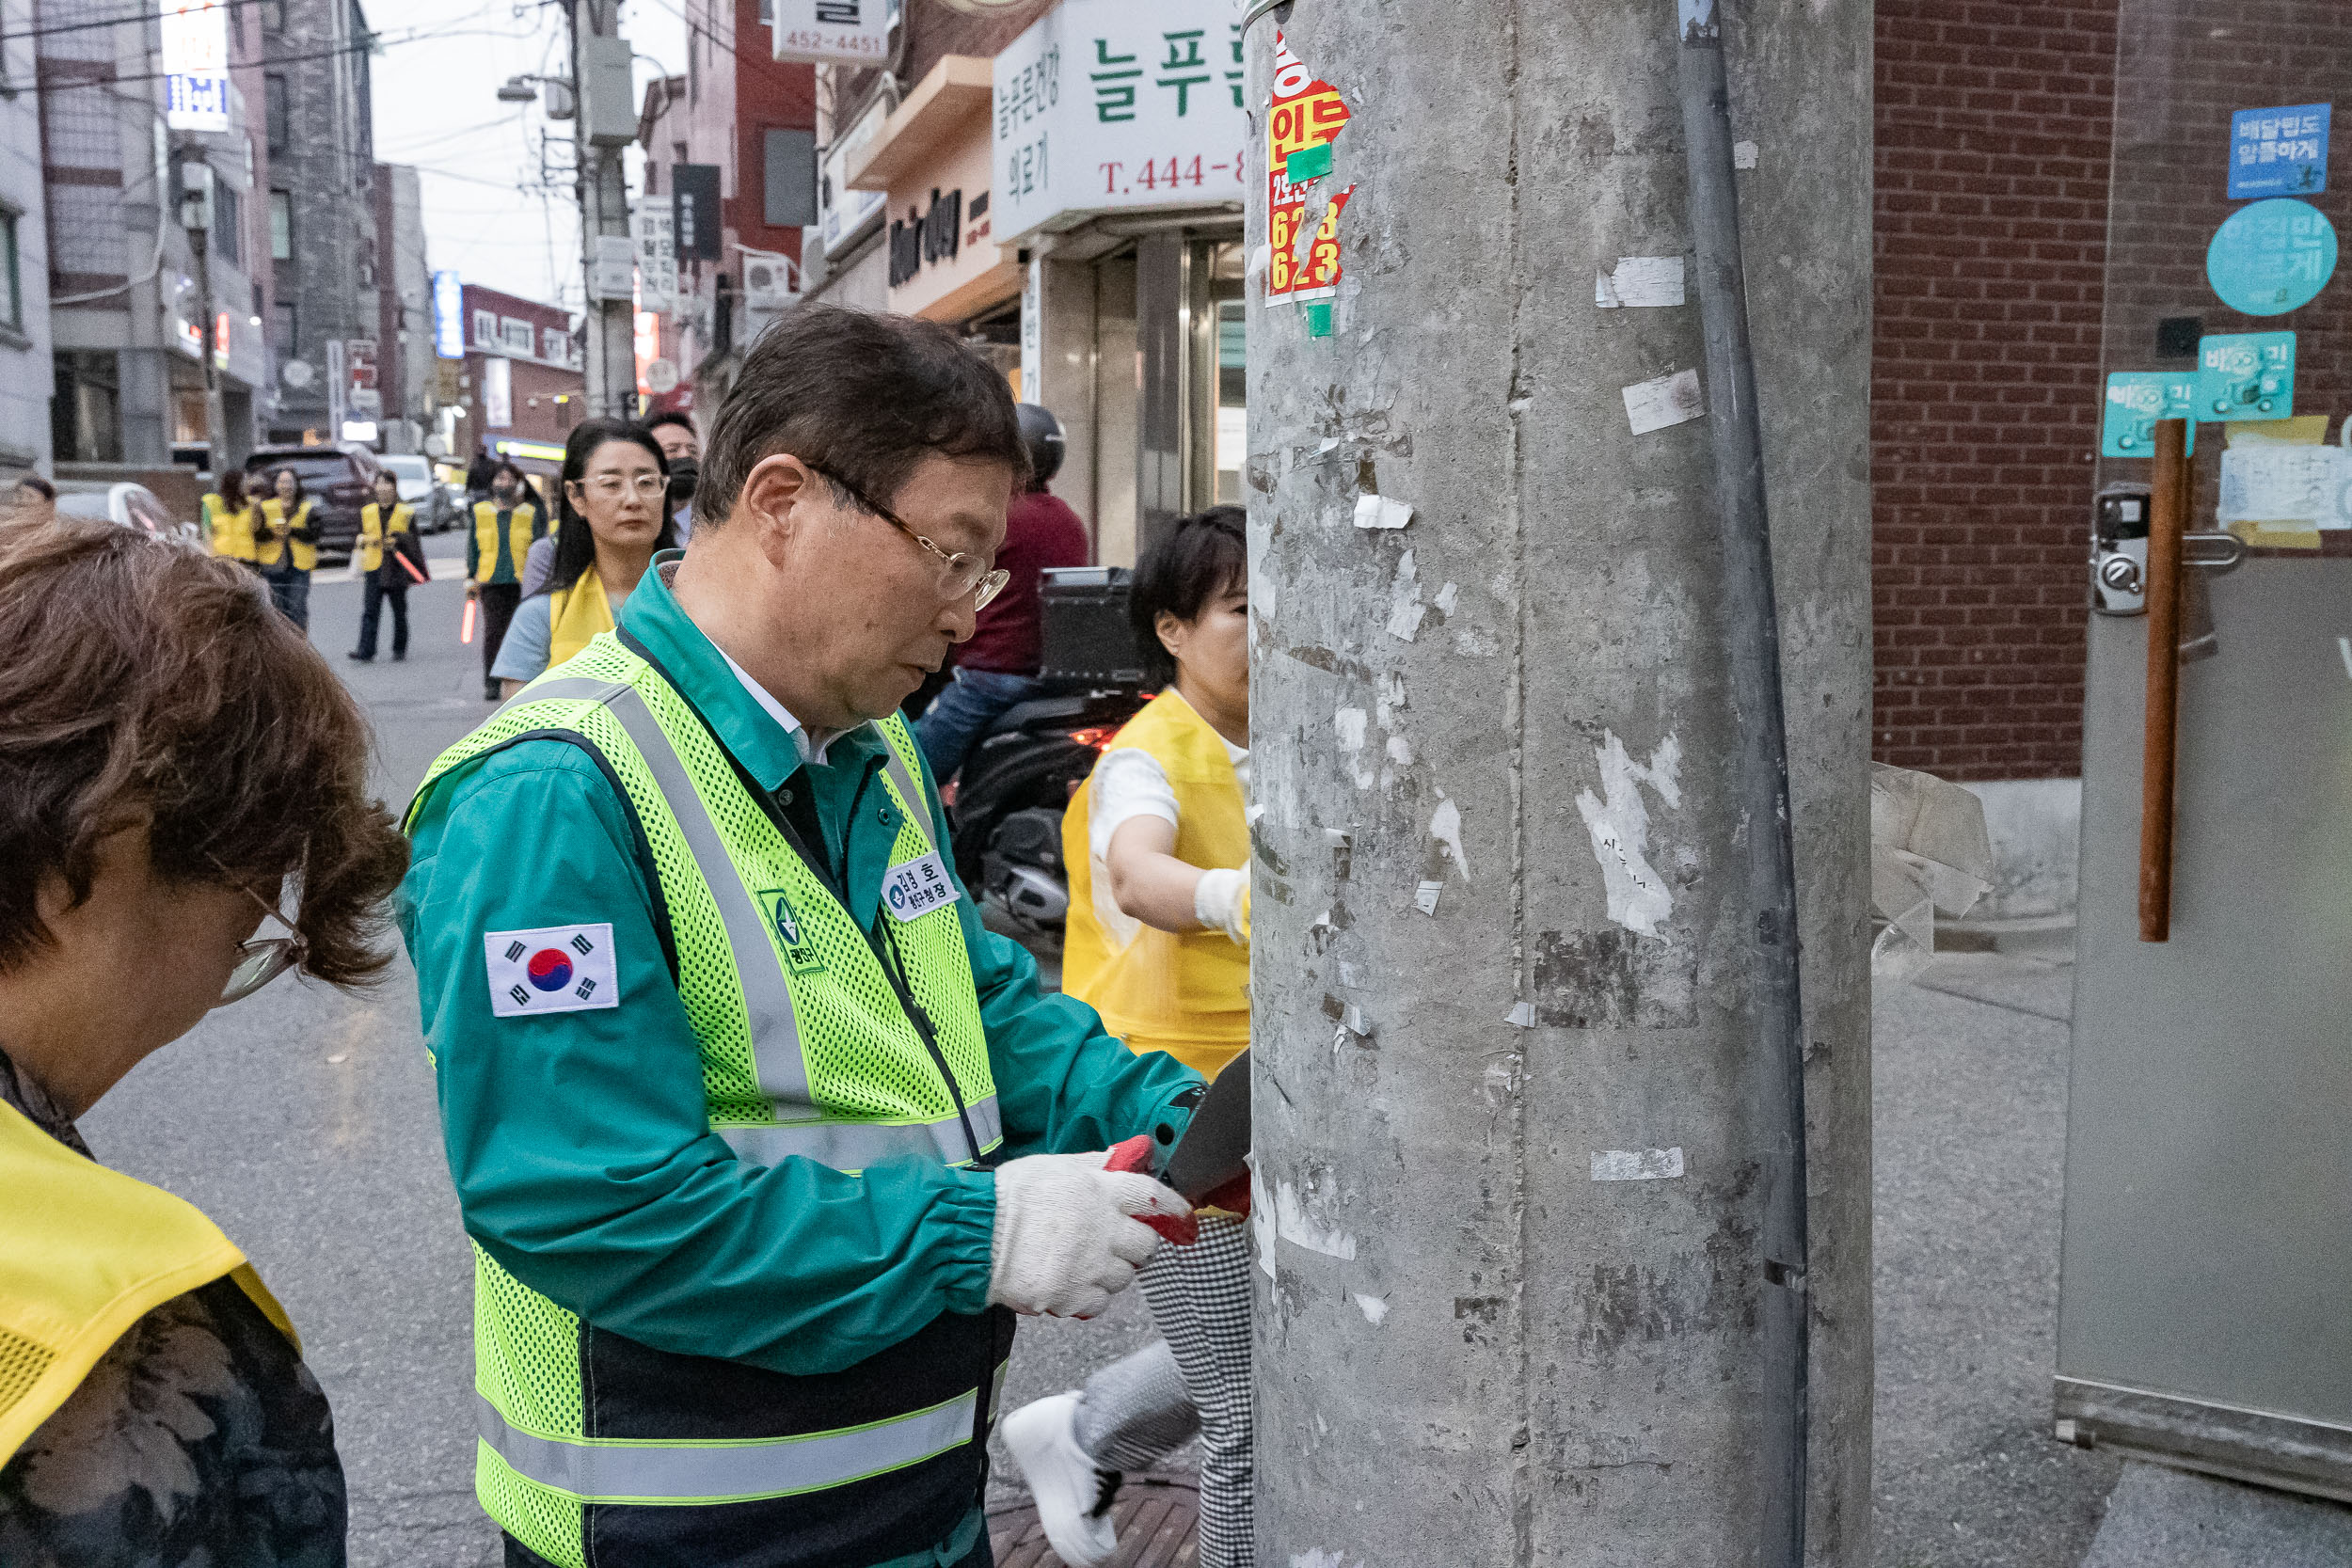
(2206, 1313)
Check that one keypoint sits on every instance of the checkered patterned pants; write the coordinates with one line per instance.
(1195, 1380)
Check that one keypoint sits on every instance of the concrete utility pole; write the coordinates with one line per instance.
(607, 123)
(196, 216)
(1514, 1103)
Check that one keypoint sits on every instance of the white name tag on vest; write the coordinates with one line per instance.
(553, 969)
(914, 888)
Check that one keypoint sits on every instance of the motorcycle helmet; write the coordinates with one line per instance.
(1042, 434)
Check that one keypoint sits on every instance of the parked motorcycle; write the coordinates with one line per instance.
(1018, 778)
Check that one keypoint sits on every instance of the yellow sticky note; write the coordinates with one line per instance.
(2303, 430)
(2278, 536)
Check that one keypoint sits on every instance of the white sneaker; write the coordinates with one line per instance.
(1062, 1480)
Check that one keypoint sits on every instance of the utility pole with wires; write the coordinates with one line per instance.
(1562, 1178)
(607, 123)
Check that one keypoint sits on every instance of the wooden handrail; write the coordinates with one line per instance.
(2168, 519)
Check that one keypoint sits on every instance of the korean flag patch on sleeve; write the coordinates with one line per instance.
(555, 968)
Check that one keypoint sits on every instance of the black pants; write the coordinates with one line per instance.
(375, 596)
(499, 600)
(290, 591)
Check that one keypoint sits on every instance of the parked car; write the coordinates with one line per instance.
(419, 489)
(340, 480)
(123, 503)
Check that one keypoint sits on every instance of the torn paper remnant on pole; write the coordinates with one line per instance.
(1664, 400)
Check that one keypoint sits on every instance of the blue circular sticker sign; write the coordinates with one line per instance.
(2272, 257)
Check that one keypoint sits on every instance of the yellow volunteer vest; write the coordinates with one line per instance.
(373, 533)
(232, 533)
(268, 547)
(84, 1253)
(1188, 994)
(492, 563)
(575, 615)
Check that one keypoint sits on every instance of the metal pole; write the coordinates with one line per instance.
(1752, 637)
(216, 420)
(610, 368)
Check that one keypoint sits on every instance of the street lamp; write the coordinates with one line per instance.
(520, 89)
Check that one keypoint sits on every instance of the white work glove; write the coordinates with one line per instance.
(1220, 901)
(1065, 1240)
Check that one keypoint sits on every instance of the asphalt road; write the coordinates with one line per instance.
(303, 1121)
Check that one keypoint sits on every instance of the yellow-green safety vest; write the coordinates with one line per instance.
(806, 1051)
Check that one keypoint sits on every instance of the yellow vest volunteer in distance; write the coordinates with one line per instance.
(298, 534)
(230, 531)
(500, 539)
(375, 533)
(1186, 993)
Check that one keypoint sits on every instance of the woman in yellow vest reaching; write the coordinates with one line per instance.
(504, 528)
(615, 514)
(286, 546)
(387, 545)
(1157, 844)
(229, 518)
(172, 755)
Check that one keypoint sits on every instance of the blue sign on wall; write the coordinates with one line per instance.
(2246, 375)
(449, 316)
(2272, 257)
(2278, 151)
(2136, 401)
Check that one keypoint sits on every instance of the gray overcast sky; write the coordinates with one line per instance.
(437, 108)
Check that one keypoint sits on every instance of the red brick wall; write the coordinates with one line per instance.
(1992, 125)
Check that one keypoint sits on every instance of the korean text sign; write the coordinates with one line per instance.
(842, 31)
(1107, 105)
(195, 37)
(2278, 151)
(1304, 118)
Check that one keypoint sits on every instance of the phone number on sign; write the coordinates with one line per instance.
(1154, 174)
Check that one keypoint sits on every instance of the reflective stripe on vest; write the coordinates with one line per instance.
(779, 1062)
(618, 1470)
(853, 1145)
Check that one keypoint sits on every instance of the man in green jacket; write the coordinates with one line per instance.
(761, 1139)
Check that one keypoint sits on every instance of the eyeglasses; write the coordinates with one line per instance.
(263, 958)
(961, 574)
(614, 486)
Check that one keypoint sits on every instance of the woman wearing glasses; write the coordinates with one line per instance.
(615, 514)
(177, 769)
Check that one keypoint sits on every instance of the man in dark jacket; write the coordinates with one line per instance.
(998, 667)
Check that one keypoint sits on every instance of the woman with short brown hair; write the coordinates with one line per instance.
(176, 764)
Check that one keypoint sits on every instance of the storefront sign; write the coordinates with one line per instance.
(694, 203)
(449, 315)
(2278, 151)
(653, 225)
(196, 64)
(2136, 401)
(2246, 375)
(2272, 257)
(498, 392)
(838, 32)
(845, 213)
(1106, 106)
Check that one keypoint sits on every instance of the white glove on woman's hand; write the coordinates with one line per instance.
(1064, 1241)
(1220, 901)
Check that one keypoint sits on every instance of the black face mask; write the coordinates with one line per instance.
(684, 471)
